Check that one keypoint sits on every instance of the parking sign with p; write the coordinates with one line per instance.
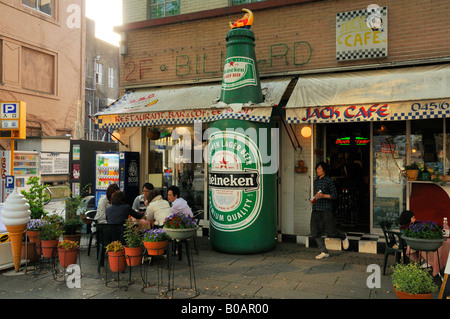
(13, 120)
(9, 181)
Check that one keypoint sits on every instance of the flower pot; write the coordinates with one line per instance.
(155, 248)
(74, 237)
(31, 253)
(181, 233)
(412, 174)
(407, 295)
(48, 248)
(67, 256)
(117, 261)
(33, 236)
(153, 135)
(133, 255)
(424, 244)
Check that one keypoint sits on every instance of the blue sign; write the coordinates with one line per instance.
(9, 181)
(10, 110)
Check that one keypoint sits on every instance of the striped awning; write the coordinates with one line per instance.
(187, 105)
(379, 95)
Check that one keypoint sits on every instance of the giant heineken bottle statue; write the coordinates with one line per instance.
(242, 196)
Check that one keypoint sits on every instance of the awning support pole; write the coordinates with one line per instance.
(287, 131)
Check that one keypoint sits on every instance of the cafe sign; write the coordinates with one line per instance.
(362, 34)
(395, 111)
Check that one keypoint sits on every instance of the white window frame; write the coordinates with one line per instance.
(98, 73)
(38, 6)
(111, 77)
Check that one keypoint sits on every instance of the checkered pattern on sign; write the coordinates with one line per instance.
(178, 121)
(361, 54)
(402, 116)
(344, 16)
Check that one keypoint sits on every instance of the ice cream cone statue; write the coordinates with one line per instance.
(15, 216)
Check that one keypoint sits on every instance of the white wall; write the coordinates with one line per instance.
(295, 187)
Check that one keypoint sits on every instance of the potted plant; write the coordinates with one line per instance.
(411, 281)
(180, 226)
(67, 252)
(424, 235)
(155, 241)
(72, 229)
(116, 256)
(412, 171)
(32, 231)
(156, 132)
(49, 236)
(36, 197)
(133, 237)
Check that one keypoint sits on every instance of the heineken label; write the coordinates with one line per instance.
(234, 180)
(239, 72)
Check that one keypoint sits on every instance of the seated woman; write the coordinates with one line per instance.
(406, 218)
(158, 210)
(119, 211)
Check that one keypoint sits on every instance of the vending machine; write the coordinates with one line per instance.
(121, 168)
(26, 165)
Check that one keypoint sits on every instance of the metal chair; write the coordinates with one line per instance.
(106, 233)
(394, 244)
(90, 214)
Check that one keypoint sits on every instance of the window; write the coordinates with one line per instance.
(111, 77)
(37, 71)
(164, 8)
(44, 6)
(238, 2)
(98, 73)
(427, 143)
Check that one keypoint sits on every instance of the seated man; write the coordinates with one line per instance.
(141, 201)
(179, 205)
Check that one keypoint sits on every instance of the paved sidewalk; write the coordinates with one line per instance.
(290, 271)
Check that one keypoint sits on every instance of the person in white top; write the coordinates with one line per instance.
(103, 203)
(179, 205)
(158, 209)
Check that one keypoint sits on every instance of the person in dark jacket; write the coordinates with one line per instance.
(119, 211)
(322, 218)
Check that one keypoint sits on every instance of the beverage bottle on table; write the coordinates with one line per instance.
(445, 227)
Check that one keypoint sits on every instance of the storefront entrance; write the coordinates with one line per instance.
(347, 151)
(353, 151)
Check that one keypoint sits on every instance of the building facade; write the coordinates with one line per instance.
(102, 80)
(42, 49)
(358, 77)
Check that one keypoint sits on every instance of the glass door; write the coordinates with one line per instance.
(388, 185)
